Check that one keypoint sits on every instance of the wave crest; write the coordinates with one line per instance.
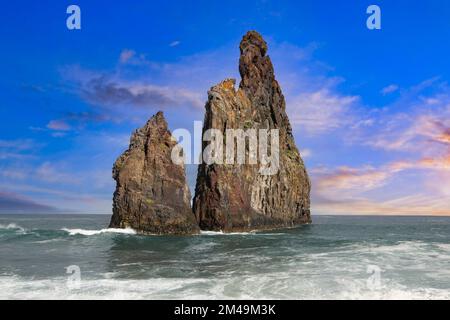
(86, 232)
(12, 226)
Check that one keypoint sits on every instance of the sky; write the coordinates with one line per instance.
(370, 109)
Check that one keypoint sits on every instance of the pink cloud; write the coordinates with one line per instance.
(126, 55)
(414, 204)
(59, 125)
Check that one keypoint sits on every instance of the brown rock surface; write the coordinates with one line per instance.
(237, 197)
(152, 195)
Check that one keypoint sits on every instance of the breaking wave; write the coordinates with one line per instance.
(221, 233)
(11, 226)
(86, 232)
(253, 232)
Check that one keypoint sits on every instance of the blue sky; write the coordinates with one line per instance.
(370, 108)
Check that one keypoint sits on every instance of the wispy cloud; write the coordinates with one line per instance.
(321, 111)
(413, 204)
(18, 148)
(14, 172)
(305, 153)
(18, 144)
(364, 189)
(361, 179)
(351, 179)
(126, 55)
(58, 125)
(389, 89)
(315, 103)
(49, 172)
(105, 92)
(422, 132)
(153, 86)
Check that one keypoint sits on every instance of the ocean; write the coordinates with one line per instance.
(336, 257)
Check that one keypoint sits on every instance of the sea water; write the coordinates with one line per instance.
(336, 257)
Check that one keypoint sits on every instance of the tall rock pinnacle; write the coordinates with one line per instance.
(237, 197)
(152, 195)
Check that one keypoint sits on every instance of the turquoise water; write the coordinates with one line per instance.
(336, 257)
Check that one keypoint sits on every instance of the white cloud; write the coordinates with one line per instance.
(389, 89)
(126, 55)
(421, 130)
(18, 144)
(305, 153)
(52, 173)
(321, 111)
(18, 148)
(58, 125)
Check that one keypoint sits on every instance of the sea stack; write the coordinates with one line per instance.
(152, 196)
(237, 197)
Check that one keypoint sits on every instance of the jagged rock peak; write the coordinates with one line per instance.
(152, 195)
(255, 67)
(253, 39)
(236, 197)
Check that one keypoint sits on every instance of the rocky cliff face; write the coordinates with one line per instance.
(238, 197)
(152, 195)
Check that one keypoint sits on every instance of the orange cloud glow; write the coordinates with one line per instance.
(412, 205)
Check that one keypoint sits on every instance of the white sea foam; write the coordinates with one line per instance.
(444, 246)
(221, 233)
(87, 232)
(47, 241)
(252, 232)
(12, 226)
(267, 286)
